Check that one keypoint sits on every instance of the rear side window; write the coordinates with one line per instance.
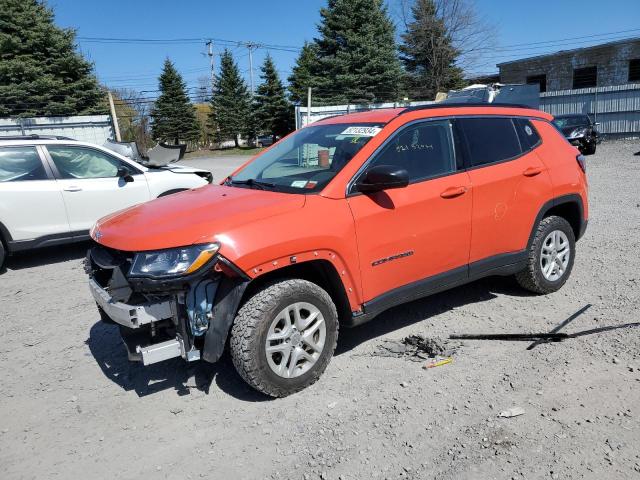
(20, 163)
(425, 150)
(529, 137)
(490, 140)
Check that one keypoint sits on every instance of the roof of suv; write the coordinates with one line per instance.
(385, 115)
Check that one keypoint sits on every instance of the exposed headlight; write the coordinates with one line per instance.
(176, 261)
(578, 132)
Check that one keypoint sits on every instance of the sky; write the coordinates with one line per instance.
(284, 25)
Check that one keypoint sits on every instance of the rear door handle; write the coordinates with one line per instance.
(532, 171)
(72, 188)
(453, 192)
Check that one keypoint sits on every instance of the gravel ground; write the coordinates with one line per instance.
(72, 406)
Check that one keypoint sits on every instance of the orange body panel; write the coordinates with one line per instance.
(261, 230)
(431, 234)
(559, 157)
(505, 204)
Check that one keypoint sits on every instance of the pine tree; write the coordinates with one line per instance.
(272, 109)
(357, 57)
(302, 76)
(173, 115)
(230, 113)
(428, 54)
(41, 73)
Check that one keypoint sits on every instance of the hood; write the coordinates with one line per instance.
(202, 215)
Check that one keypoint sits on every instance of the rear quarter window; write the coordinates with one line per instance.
(490, 139)
(527, 133)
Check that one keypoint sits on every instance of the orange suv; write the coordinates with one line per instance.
(334, 224)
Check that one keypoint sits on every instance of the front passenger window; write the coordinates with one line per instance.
(82, 162)
(424, 150)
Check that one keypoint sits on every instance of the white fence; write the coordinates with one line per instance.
(86, 128)
(616, 108)
(318, 113)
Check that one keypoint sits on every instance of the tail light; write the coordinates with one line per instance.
(582, 162)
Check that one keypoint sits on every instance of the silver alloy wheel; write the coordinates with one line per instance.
(555, 254)
(295, 339)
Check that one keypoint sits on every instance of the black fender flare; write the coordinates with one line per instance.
(572, 198)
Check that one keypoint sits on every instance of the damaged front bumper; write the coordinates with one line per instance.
(162, 319)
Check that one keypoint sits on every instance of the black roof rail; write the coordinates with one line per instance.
(463, 105)
(35, 136)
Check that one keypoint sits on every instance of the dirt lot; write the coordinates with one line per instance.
(73, 407)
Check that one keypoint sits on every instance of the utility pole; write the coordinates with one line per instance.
(251, 47)
(211, 62)
(114, 117)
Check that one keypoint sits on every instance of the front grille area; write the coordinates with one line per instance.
(103, 260)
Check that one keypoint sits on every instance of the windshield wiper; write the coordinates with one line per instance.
(252, 182)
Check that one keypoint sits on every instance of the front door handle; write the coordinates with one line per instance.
(72, 188)
(532, 171)
(453, 192)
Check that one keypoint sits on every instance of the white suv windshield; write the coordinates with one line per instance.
(306, 160)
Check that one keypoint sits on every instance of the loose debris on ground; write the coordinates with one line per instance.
(416, 348)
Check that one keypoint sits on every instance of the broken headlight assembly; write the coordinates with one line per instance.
(172, 262)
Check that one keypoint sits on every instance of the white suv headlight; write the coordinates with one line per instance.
(176, 261)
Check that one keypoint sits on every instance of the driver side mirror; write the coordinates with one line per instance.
(125, 174)
(383, 177)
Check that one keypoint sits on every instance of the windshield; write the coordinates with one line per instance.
(307, 160)
(573, 121)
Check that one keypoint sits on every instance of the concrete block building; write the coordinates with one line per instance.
(614, 63)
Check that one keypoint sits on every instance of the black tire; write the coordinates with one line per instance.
(532, 278)
(251, 325)
(589, 148)
(3, 254)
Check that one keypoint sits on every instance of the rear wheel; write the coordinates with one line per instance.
(550, 258)
(283, 338)
(3, 254)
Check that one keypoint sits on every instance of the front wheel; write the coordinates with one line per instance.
(284, 336)
(550, 258)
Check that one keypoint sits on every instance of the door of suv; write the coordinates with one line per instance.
(411, 234)
(31, 204)
(510, 184)
(90, 184)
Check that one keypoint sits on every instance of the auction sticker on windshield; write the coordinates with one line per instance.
(362, 131)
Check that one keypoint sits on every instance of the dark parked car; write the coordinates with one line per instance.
(580, 131)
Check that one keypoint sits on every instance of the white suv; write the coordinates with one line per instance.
(53, 190)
